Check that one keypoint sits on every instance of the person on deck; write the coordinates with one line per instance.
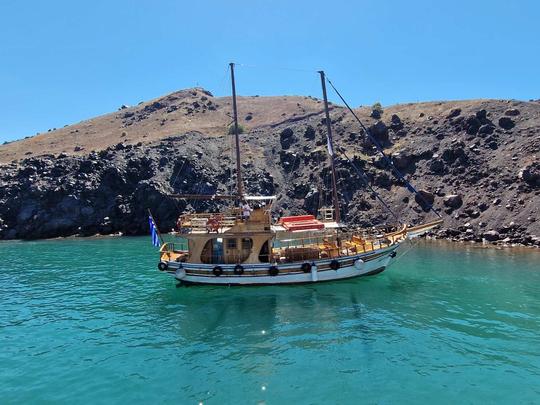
(246, 211)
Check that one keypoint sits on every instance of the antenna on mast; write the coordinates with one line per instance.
(330, 144)
(239, 187)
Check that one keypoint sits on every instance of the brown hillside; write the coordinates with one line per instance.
(476, 159)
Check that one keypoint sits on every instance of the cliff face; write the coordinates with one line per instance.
(477, 160)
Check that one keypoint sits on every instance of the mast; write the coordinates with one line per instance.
(239, 187)
(330, 142)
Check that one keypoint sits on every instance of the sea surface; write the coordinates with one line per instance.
(92, 321)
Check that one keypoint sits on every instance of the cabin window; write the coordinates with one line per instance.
(247, 243)
(231, 243)
(225, 251)
(264, 253)
(212, 252)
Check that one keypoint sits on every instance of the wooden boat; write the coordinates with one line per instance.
(229, 248)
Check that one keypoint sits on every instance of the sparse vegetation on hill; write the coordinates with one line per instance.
(476, 160)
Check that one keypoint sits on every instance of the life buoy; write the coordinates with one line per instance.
(239, 269)
(273, 271)
(218, 271)
(334, 265)
(306, 267)
(162, 266)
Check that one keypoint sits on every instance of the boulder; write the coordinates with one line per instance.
(506, 123)
(472, 124)
(486, 129)
(383, 180)
(491, 236)
(453, 201)
(402, 160)
(375, 113)
(437, 166)
(309, 133)
(395, 123)
(289, 160)
(380, 132)
(454, 153)
(530, 174)
(454, 113)
(481, 115)
(286, 138)
(512, 112)
(424, 199)
(156, 105)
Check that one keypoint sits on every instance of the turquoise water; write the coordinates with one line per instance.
(93, 321)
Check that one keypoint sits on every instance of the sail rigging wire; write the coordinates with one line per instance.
(274, 67)
(381, 151)
(365, 179)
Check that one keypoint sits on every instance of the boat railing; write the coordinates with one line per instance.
(332, 246)
(174, 251)
(174, 247)
(207, 222)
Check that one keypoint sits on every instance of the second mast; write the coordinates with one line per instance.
(239, 187)
(330, 142)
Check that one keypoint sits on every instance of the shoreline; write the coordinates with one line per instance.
(428, 239)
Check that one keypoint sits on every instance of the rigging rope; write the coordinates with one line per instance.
(381, 151)
(275, 67)
(364, 178)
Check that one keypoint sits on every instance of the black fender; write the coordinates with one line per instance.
(218, 271)
(162, 266)
(273, 271)
(335, 265)
(239, 269)
(306, 267)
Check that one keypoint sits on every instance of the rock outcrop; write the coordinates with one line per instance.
(476, 162)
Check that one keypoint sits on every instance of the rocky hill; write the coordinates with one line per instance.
(476, 160)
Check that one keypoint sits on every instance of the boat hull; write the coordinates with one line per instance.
(288, 273)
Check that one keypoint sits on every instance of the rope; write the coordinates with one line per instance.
(411, 244)
(364, 178)
(273, 67)
(381, 151)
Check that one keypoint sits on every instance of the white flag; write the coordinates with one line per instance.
(329, 146)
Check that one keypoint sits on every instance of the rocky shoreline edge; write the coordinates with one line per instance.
(477, 164)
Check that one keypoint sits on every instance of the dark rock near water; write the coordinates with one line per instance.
(491, 236)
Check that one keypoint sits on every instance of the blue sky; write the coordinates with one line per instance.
(64, 61)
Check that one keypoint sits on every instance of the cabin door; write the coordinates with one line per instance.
(217, 250)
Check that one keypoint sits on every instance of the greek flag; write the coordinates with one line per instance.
(153, 232)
